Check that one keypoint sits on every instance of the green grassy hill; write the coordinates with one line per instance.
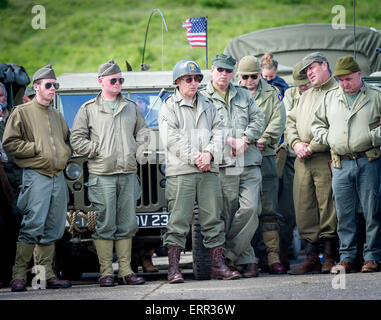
(80, 35)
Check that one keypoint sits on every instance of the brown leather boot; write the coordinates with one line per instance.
(250, 270)
(219, 269)
(331, 255)
(174, 274)
(311, 265)
(147, 261)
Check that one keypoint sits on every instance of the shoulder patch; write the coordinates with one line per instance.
(280, 97)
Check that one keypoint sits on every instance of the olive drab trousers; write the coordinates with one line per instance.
(313, 200)
(286, 204)
(270, 185)
(270, 217)
(181, 192)
(242, 206)
(43, 203)
(114, 198)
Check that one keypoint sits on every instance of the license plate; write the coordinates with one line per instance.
(156, 220)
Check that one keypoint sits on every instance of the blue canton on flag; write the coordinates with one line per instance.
(196, 31)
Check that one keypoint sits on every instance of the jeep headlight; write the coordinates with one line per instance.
(73, 171)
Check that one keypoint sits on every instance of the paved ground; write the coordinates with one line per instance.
(215, 299)
(266, 287)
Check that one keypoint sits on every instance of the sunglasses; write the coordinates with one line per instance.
(48, 85)
(252, 76)
(190, 79)
(114, 80)
(219, 69)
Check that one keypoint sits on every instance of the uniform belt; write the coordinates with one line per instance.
(352, 156)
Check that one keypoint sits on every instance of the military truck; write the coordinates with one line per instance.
(75, 252)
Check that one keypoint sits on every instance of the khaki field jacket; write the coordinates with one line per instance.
(298, 123)
(241, 117)
(109, 138)
(187, 129)
(269, 101)
(348, 131)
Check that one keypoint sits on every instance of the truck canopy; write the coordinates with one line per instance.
(289, 44)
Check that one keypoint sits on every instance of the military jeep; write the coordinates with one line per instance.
(75, 252)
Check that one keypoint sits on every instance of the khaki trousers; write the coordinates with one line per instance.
(313, 200)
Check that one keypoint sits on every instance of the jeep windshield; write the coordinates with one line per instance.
(148, 103)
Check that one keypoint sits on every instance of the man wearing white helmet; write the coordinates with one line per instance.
(189, 127)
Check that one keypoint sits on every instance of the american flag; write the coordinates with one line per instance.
(196, 31)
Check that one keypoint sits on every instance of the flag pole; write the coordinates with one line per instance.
(206, 47)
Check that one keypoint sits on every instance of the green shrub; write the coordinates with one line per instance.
(3, 4)
(219, 4)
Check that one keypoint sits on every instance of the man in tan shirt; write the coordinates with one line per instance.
(314, 210)
(37, 136)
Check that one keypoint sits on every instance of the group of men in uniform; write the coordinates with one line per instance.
(332, 136)
(220, 144)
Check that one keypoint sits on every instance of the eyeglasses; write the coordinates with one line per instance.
(114, 80)
(190, 79)
(48, 85)
(219, 69)
(252, 76)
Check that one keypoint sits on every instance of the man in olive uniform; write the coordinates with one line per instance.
(349, 122)
(269, 101)
(37, 137)
(109, 129)
(28, 94)
(314, 209)
(285, 164)
(190, 130)
(240, 174)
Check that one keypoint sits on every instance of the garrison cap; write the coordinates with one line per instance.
(46, 72)
(108, 68)
(224, 61)
(346, 65)
(311, 58)
(248, 65)
(300, 79)
(29, 91)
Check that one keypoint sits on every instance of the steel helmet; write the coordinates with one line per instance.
(248, 65)
(186, 67)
